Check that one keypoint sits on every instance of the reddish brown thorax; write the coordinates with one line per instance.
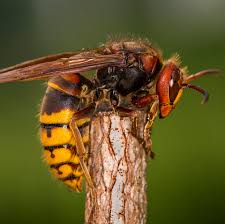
(149, 62)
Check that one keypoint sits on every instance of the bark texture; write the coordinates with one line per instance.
(117, 164)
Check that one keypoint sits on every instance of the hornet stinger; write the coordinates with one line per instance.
(130, 75)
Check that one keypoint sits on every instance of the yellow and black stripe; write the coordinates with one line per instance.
(60, 103)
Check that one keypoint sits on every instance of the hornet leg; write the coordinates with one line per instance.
(152, 114)
(141, 102)
(81, 151)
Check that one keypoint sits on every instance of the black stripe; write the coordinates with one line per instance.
(50, 126)
(56, 166)
(70, 177)
(51, 148)
(55, 101)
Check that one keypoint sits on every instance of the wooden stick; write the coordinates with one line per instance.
(117, 165)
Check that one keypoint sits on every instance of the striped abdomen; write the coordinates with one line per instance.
(58, 107)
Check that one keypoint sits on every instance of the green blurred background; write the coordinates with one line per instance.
(186, 181)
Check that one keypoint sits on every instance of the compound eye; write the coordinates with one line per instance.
(176, 75)
(174, 86)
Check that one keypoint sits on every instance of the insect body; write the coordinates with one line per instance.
(130, 75)
(62, 100)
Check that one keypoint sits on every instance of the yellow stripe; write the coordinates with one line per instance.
(59, 155)
(63, 171)
(62, 117)
(59, 136)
